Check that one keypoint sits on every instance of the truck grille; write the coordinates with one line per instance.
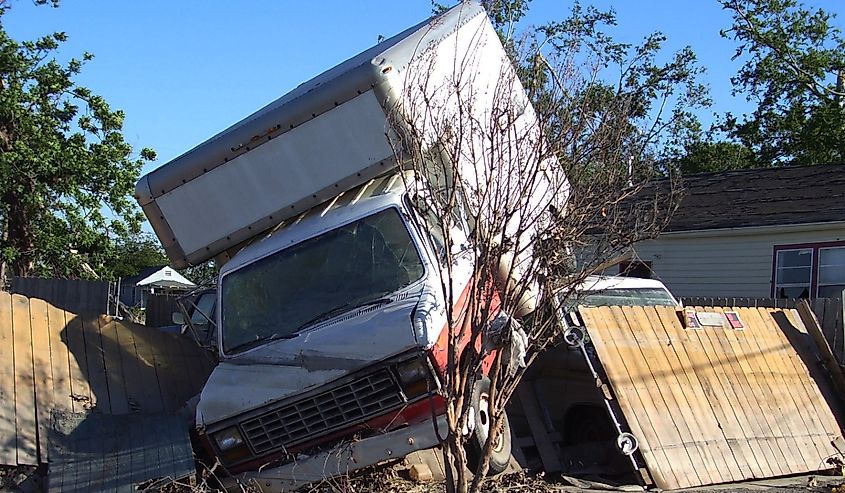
(322, 413)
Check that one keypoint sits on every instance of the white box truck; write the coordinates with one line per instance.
(331, 316)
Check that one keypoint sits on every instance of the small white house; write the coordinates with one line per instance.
(774, 232)
(152, 280)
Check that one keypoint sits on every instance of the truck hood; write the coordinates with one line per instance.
(288, 367)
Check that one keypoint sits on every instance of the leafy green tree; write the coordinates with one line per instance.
(631, 90)
(618, 84)
(133, 254)
(66, 173)
(794, 72)
(701, 156)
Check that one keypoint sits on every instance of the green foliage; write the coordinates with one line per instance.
(710, 156)
(133, 254)
(589, 86)
(794, 71)
(66, 173)
(204, 274)
(592, 87)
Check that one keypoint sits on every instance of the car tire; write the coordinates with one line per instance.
(481, 420)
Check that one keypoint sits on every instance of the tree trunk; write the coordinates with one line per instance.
(19, 235)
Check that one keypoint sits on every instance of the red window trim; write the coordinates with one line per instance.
(814, 265)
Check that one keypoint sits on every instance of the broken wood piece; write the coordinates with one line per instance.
(828, 358)
(420, 473)
(545, 446)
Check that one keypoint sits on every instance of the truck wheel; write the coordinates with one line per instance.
(480, 421)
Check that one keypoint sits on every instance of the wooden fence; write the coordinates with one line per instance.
(159, 310)
(73, 295)
(716, 405)
(53, 359)
(828, 311)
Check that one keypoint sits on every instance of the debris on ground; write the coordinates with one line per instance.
(23, 479)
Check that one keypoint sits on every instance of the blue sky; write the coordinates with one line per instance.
(184, 70)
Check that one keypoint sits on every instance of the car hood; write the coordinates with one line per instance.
(288, 367)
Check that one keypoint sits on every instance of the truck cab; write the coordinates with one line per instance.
(329, 326)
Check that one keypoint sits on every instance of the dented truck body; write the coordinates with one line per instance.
(331, 314)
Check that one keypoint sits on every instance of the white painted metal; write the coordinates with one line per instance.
(282, 172)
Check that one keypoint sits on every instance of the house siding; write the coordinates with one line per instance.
(726, 263)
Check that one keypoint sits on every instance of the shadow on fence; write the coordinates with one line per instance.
(72, 295)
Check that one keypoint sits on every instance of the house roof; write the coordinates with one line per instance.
(166, 277)
(761, 197)
(158, 276)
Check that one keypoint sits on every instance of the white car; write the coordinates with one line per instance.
(623, 291)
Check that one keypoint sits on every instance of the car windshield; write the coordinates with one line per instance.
(324, 276)
(627, 297)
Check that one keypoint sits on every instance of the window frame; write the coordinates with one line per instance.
(815, 263)
(819, 284)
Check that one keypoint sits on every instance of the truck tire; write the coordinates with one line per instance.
(480, 417)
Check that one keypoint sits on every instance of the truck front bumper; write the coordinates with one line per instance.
(342, 459)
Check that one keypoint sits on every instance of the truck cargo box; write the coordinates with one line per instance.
(328, 135)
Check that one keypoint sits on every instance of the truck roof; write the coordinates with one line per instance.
(346, 207)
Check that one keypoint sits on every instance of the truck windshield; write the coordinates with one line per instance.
(288, 291)
(628, 297)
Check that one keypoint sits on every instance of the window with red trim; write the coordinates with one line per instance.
(809, 270)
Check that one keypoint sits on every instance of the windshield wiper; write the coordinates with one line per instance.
(346, 307)
(260, 340)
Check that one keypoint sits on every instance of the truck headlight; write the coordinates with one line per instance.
(413, 377)
(229, 438)
(232, 445)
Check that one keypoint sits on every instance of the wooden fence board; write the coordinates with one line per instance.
(828, 310)
(758, 391)
(74, 295)
(59, 359)
(715, 404)
(25, 419)
(42, 370)
(8, 435)
(149, 371)
(714, 364)
(74, 338)
(705, 426)
(760, 406)
(721, 462)
(138, 389)
(804, 392)
(112, 359)
(95, 364)
(815, 406)
(655, 395)
(761, 353)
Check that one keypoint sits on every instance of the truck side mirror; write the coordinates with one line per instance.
(178, 318)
